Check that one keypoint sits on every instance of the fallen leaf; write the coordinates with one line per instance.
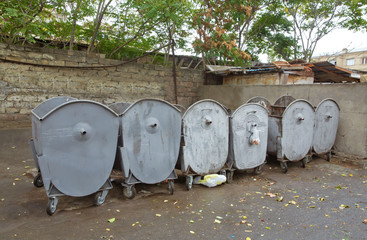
(26, 167)
(268, 228)
(280, 199)
(244, 217)
(243, 222)
(192, 232)
(312, 206)
(111, 220)
(219, 217)
(242, 200)
(13, 147)
(217, 221)
(350, 175)
(344, 175)
(292, 202)
(117, 210)
(364, 221)
(248, 238)
(248, 231)
(321, 199)
(272, 195)
(158, 215)
(107, 229)
(17, 179)
(165, 201)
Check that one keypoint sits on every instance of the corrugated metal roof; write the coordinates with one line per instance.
(328, 72)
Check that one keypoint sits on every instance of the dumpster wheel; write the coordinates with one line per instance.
(259, 169)
(189, 180)
(100, 198)
(129, 192)
(284, 167)
(51, 206)
(37, 181)
(328, 156)
(229, 176)
(304, 162)
(171, 187)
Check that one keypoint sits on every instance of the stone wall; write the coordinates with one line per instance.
(29, 76)
(352, 98)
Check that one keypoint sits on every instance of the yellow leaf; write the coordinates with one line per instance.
(158, 215)
(192, 232)
(248, 238)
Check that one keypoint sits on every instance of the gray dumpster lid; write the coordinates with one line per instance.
(120, 107)
(262, 101)
(284, 101)
(43, 110)
(149, 99)
(45, 107)
(206, 100)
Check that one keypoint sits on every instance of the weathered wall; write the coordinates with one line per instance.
(269, 79)
(352, 99)
(24, 86)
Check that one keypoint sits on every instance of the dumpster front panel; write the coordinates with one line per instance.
(297, 124)
(250, 136)
(326, 126)
(206, 137)
(79, 143)
(151, 131)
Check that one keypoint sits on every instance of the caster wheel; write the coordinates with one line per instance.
(51, 206)
(284, 167)
(130, 192)
(37, 181)
(259, 169)
(229, 176)
(328, 156)
(171, 187)
(99, 199)
(189, 180)
(304, 162)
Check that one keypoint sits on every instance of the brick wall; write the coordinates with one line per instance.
(50, 72)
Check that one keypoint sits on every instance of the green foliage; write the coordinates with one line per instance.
(231, 32)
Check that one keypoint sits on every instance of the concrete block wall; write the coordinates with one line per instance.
(29, 76)
(352, 99)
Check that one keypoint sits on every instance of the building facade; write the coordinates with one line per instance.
(353, 59)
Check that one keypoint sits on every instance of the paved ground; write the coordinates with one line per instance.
(323, 201)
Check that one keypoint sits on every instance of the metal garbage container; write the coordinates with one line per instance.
(149, 143)
(326, 126)
(74, 146)
(204, 149)
(290, 132)
(248, 138)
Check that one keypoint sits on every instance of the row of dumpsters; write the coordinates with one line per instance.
(77, 143)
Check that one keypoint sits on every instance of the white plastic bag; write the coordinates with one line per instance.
(212, 180)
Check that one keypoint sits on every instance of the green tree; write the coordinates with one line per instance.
(313, 19)
(22, 19)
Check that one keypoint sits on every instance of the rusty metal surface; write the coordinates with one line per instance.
(284, 101)
(249, 135)
(75, 145)
(326, 125)
(151, 133)
(206, 137)
(262, 101)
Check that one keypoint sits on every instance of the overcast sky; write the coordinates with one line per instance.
(339, 39)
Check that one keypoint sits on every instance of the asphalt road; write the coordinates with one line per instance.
(325, 200)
